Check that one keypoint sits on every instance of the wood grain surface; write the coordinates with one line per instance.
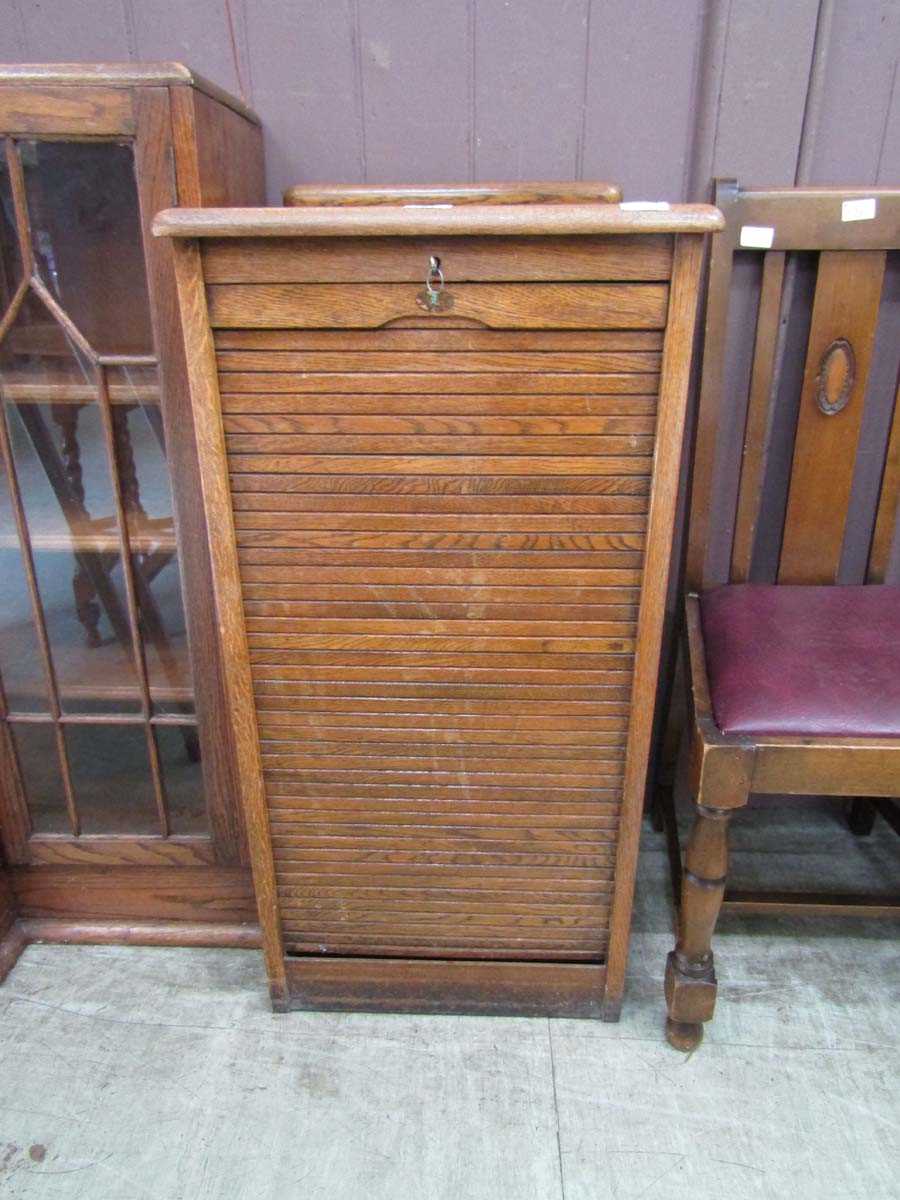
(474, 800)
(440, 529)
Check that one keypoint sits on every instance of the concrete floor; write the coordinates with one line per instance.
(146, 1074)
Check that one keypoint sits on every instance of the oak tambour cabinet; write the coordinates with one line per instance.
(440, 448)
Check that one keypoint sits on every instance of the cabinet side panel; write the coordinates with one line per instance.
(238, 712)
(219, 153)
(12, 941)
(155, 157)
(7, 911)
(674, 380)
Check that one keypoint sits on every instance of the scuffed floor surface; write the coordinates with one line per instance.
(147, 1074)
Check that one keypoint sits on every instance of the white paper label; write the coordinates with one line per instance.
(859, 210)
(757, 237)
(645, 206)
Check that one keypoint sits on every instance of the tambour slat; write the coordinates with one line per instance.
(598, 362)
(425, 610)
(274, 519)
(409, 914)
(513, 508)
(432, 627)
(451, 808)
(526, 667)
(311, 871)
(512, 696)
(462, 539)
(281, 748)
(396, 464)
(259, 445)
(394, 712)
(491, 862)
(286, 820)
(570, 383)
(275, 726)
(594, 577)
(424, 773)
(385, 790)
(461, 899)
(441, 337)
(514, 950)
(431, 426)
(464, 556)
(453, 485)
(332, 405)
(452, 603)
(495, 839)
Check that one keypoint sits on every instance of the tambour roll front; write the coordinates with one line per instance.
(440, 447)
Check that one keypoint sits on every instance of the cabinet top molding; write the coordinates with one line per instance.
(106, 74)
(413, 221)
(323, 195)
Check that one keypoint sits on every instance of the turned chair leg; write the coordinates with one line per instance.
(86, 607)
(690, 977)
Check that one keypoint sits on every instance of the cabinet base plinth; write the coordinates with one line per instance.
(446, 986)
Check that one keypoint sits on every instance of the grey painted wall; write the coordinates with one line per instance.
(658, 95)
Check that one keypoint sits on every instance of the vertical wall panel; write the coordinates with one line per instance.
(304, 87)
(853, 106)
(656, 96)
(197, 33)
(76, 30)
(641, 74)
(415, 65)
(529, 89)
(889, 153)
(12, 32)
(764, 82)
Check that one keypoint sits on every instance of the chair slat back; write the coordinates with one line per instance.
(884, 557)
(797, 458)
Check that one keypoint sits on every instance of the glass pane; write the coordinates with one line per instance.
(111, 779)
(87, 626)
(85, 224)
(21, 663)
(63, 475)
(41, 777)
(165, 636)
(10, 256)
(179, 757)
(147, 497)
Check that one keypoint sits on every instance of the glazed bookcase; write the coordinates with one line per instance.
(117, 803)
(441, 445)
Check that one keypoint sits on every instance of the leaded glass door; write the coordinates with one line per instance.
(97, 697)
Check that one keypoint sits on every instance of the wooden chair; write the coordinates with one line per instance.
(793, 611)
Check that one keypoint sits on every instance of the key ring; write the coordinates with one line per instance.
(433, 298)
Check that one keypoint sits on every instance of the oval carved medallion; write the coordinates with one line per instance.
(837, 374)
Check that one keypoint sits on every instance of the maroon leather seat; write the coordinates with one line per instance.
(804, 660)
